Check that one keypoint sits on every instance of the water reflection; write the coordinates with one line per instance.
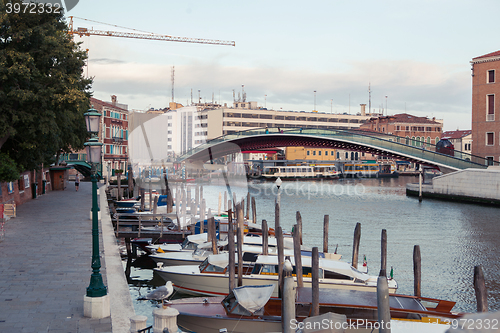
(453, 237)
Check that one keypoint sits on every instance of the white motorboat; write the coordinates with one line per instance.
(211, 277)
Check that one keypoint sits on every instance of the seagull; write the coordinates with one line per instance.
(161, 293)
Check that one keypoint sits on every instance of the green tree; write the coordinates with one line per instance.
(43, 93)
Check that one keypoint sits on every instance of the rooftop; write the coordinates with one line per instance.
(456, 134)
(492, 54)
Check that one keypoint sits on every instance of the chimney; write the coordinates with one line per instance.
(363, 112)
(113, 99)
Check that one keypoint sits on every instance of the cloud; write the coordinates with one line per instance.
(415, 86)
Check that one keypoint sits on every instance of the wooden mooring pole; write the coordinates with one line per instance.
(241, 228)
(254, 211)
(355, 245)
(480, 289)
(315, 282)
(265, 235)
(298, 218)
(417, 271)
(326, 221)
(383, 254)
(281, 258)
(298, 256)
(230, 248)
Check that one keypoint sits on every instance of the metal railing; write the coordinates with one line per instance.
(425, 152)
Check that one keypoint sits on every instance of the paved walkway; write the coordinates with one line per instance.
(45, 261)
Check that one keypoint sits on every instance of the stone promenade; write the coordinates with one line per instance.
(45, 261)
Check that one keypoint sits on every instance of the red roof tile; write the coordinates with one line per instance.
(456, 134)
(103, 103)
(492, 54)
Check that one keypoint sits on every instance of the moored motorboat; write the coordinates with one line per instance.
(249, 309)
(211, 277)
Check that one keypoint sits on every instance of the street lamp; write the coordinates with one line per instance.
(96, 287)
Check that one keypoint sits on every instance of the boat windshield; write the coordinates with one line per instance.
(206, 267)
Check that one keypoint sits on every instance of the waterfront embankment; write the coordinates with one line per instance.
(469, 185)
(45, 266)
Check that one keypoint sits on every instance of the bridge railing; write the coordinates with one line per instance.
(402, 145)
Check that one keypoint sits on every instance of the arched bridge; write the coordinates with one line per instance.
(352, 140)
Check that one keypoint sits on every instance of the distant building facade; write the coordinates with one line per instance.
(486, 106)
(461, 140)
(418, 131)
(114, 134)
(218, 121)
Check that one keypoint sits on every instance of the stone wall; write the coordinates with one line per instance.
(478, 183)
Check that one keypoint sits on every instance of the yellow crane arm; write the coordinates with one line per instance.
(85, 32)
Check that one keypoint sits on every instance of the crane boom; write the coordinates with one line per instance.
(86, 32)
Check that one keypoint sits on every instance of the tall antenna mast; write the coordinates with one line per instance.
(369, 99)
(191, 96)
(173, 74)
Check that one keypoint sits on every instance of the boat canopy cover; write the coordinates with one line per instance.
(336, 266)
(198, 238)
(253, 298)
(248, 300)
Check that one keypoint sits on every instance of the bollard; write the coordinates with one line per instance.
(288, 308)
(383, 306)
(137, 323)
(165, 318)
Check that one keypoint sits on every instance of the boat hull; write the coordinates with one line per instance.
(188, 280)
(208, 324)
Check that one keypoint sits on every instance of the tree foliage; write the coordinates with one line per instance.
(43, 94)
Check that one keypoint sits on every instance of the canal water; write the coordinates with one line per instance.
(453, 237)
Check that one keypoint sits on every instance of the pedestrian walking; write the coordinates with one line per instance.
(77, 181)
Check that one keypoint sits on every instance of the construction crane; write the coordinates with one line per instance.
(146, 35)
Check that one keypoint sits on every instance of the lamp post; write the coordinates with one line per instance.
(96, 287)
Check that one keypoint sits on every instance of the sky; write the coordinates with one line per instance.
(414, 55)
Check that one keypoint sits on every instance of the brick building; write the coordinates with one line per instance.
(113, 134)
(485, 105)
(461, 140)
(416, 130)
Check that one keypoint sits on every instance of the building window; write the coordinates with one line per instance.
(490, 107)
(437, 140)
(308, 153)
(346, 155)
(314, 152)
(490, 138)
(489, 160)
(319, 152)
(338, 155)
(491, 76)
